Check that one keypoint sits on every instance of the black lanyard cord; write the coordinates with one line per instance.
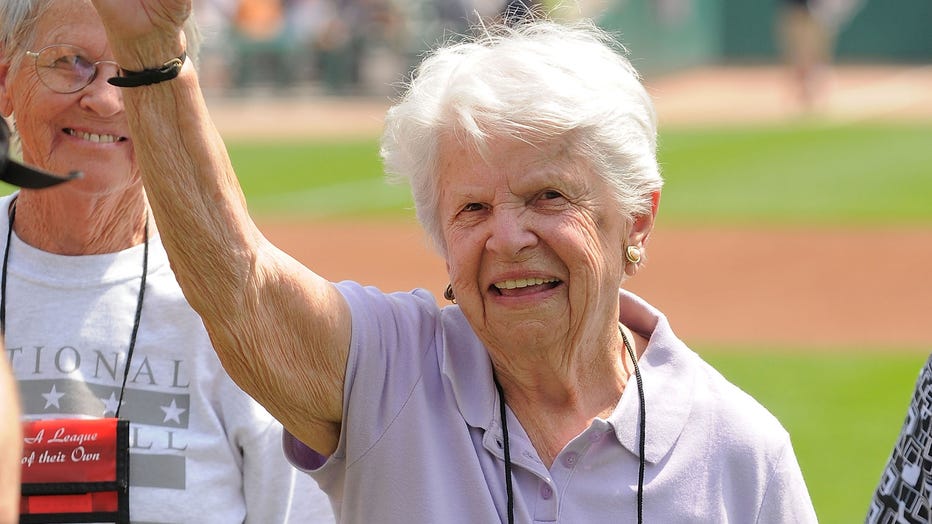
(6, 258)
(642, 423)
(508, 487)
(138, 316)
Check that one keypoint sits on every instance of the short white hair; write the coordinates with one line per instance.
(535, 81)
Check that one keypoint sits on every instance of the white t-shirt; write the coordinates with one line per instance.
(201, 450)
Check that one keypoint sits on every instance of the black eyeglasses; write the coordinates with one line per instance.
(64, 69)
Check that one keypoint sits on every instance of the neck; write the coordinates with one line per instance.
(58, 222)
(555, 404)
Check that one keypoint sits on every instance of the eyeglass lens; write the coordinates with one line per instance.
(64, 68)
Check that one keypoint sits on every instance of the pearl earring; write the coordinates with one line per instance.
(633, 254)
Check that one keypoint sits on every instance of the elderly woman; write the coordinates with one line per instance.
(96, 324)
(545, 393)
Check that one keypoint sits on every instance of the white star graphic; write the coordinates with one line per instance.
(111, 404)
(172, 411)
(52, 398)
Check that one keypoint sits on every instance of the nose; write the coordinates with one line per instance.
(101, 97)
(511, 232)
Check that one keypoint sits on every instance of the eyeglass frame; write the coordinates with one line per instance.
(35, 61)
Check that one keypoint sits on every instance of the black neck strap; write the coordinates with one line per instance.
(642, 426)
(139, 300)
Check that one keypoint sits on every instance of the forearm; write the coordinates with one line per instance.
(277, 327)
(195, 197)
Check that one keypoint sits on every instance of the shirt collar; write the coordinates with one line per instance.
(669, 382)
(467, 366)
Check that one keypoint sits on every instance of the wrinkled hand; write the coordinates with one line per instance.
(138, 26)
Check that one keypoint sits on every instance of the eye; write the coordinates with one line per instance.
(67, 61)
(549, 195)
(60, 59)
(69, 65)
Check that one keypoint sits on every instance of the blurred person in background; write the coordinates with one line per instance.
(215, 54)
(806, 33)
(11, 437)
(545, 392)
(904, 493)
(264, 46)
(92, 312)
(353, 41)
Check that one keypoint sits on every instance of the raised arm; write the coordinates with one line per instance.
(281, 331)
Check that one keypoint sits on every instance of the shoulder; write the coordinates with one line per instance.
(686, 383)
(730, 415)
(376, 313)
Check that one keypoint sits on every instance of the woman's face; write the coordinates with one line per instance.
(85, 131)
(535, 244)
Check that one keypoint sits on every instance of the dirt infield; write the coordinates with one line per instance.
(794, 288)
(799, 287)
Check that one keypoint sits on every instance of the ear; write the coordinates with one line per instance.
(640, 231)
(6, 104)
(644, 224)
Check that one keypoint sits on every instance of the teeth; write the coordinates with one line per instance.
(523, 282)
(93, 137)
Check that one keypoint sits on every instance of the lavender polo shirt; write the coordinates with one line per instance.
(421, 440)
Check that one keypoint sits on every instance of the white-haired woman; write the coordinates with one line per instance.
(545, 393)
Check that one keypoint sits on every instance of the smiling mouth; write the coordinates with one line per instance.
(94, 137)
(524, 285)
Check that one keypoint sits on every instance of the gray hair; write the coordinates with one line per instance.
(18, 19)
(535, 81)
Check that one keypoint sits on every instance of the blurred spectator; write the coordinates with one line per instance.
(214, 18)
(807, 30)
(517, 11)
(262, 44)
(346, 46)
(360, 31)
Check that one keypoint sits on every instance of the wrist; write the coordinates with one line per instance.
(148, 52)
(167, 71)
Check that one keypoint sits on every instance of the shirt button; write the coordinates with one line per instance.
(546, 492)
(570, 459)
(595, 436)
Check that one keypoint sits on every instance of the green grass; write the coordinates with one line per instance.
(315, 179)
(765, 175)
(843, 409)
(804, 174)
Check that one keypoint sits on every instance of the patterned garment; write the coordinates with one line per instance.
(904, 491)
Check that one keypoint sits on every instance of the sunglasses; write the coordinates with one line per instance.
(64, 69)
